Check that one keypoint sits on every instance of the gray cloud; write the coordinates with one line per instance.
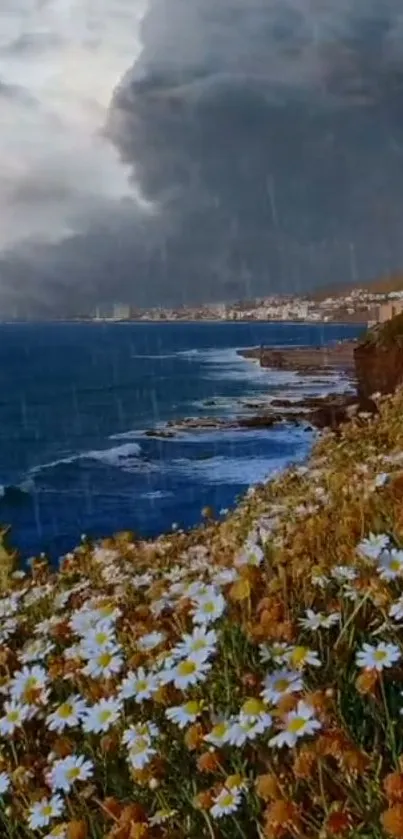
(248, 146)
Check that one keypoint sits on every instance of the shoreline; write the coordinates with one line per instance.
(320, 411)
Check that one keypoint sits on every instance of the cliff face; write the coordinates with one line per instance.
(379, 359)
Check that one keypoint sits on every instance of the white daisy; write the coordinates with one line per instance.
(161, 817)
(27, 681)
(299, 657)
(381, 480)
(42, 812)
(141, 729)
(281, 683)
(140, 753)
(296, 724)
(208, 607)
(35, 651)
(390, 564)
(98, 639)
(151, 640)
(8, 606)
(396, 609)
(225, 576)
(317, 620)
(219, 733)
(198, 646)
(373, 545)
(104, 665)
(277, 653)
(5, 783)
(344, 573)
(102, 715)
(185, 673)
(66, 772)
(140, 685)
(244, 729)
(377, 657)
(225, 803)
(252, 554)
(183, 715)
(319, 580)
(67, 715)
(14, 717)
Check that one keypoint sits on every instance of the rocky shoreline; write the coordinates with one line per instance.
(320, 412)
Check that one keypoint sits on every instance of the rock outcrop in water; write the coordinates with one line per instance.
(379, 359)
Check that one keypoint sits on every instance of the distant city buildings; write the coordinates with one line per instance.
(357, 306)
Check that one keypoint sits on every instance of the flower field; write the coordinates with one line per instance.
(242, 680)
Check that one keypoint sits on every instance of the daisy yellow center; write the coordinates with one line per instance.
(101, 638)
(141, 745)
(47, 810)
(186, 668)
(380, 655)
(281, 685)
(220, 729)
(233, 782)
(142, 730)
(295, 725)
(191, 707)
(299, 655)
(227, 800)
(142, 685)
(31, 683)
(105, 716)
(65, 711)
(252, 707)
(73, 773)
(208, 607)
(13, 716)
(105, 659)
(200, 644)
(106, 610)
(394, 565)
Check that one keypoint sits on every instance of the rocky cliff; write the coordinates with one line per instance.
(379, 359)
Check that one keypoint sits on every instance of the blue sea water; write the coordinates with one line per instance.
(75, 400)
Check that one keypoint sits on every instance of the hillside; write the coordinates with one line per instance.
(241, 680)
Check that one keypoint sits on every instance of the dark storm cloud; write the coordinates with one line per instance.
(268, 137)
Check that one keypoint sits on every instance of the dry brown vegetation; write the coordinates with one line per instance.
(217, 683)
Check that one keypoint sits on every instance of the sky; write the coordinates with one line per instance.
(166, 151)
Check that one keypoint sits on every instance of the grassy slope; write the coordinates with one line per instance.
(344, 779)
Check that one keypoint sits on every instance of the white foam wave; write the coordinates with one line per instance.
(156, 495)
(245, 471)
(113, 457)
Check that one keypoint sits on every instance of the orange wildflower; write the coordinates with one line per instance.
(367, 681)
(338, 823)
(112, 808)
(281, 817)
(209, 762)
(77, 829)
(204, 800)
(267, 787)
(304, 762)
(393, 786)
(194, 737)
(392, 820)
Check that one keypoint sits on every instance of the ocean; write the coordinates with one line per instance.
(76, 399)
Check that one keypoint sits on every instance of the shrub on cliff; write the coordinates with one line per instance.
(242, 680)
